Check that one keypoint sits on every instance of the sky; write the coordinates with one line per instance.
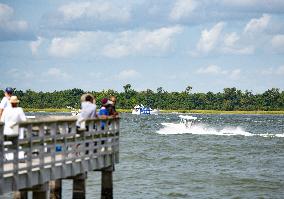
(48, 45)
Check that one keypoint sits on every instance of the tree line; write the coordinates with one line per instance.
(230, 99)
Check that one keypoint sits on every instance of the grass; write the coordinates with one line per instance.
(47, 110)
(168, 111)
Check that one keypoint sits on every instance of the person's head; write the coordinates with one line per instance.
(105, 102)
(89, 98)
(14, 101)
(8, 91)
(113, 99)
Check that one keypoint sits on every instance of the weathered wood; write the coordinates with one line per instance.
(20, 195)
(107, 184)
(41, 191)
(54, 150)
(79, 186)
(55, 187)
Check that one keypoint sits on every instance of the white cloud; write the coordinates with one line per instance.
(278, 41)
(239, 50)
(209, 38)
(273, 71)
(257, 25)
(34, 45)
(231, 39)
(217, 70)
(128, 74)
(183, 8)
(133, 42)
(6, 21)
(68, 46)
(19, 75)
(212, 69)
(57, 73)
(235, 74)
(100, 10)
(242, 3)
(115, 44)
(6, 12)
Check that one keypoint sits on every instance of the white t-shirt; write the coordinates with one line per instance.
(5, 103)
(88, 110)
(12, 116)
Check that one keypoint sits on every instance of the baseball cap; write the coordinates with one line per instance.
(9, 90)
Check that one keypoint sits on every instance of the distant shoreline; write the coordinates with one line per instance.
(169, 111)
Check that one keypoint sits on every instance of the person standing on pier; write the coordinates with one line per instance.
(88, 109)
(111, 106)
(11, 116)
(104, 112)
(5, 100)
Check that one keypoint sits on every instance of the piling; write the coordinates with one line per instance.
(107, 185)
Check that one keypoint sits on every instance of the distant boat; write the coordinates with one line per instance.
(141, 110)
(74, 111)
(186, 122)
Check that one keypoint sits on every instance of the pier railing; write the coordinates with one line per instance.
(47, 150)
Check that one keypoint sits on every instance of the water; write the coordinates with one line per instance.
(223, 156)
(156, 163)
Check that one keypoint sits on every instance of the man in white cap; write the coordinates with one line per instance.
(5, 100)
(12, 116)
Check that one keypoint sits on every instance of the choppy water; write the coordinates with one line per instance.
(222, 156)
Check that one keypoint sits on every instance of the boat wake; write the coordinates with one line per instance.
(199, 129)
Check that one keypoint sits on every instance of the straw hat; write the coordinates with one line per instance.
(14, 100)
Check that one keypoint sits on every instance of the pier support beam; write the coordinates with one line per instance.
(55, 187)
(107, 187)
(79, 186)
(20, 195)
(41, 191)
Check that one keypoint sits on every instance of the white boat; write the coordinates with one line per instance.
(186, 122)
(141, 110)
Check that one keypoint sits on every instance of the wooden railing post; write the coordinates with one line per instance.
(55, 187)
(40, 191)
(21, 195)
(107, 187)
(79, 186)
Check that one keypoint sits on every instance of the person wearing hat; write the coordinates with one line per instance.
(11, 116)
(5, 100)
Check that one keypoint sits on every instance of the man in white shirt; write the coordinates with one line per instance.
(12, 116)
(5, 100)
(88, 110)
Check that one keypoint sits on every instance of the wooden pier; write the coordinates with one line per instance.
(48, 151)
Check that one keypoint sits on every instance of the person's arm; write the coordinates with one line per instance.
(22, 115)
(2, 116)
(1, 112)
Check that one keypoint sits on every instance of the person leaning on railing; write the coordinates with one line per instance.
(88, 109)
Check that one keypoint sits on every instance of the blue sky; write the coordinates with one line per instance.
(95, 45)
